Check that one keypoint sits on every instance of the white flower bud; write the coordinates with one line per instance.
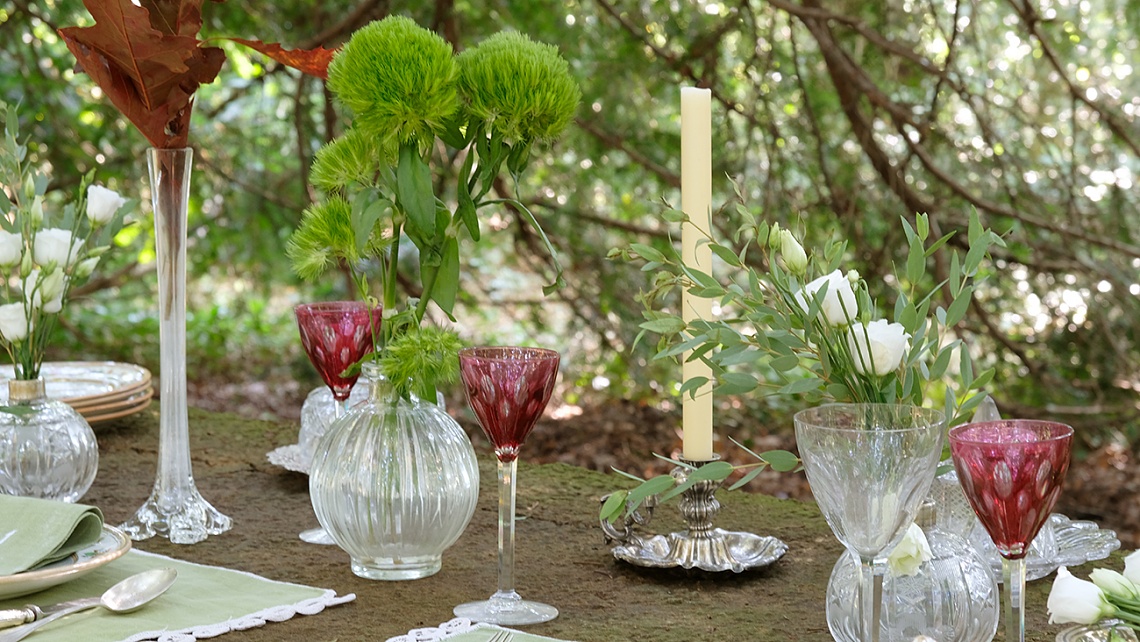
(55, 246)
(877, 347)
(11, 248)
(13, 322)
(48, 288)
(36, 211)
(852, 276)
(1132, 567)
(795, 259)
(1114, 583)
(774, 236)
(102, 203)
(86, 267)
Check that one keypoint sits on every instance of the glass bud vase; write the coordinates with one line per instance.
(47, 449)
(175, 508)
(394, 482)
(953, 597)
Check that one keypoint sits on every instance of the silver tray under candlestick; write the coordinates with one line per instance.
(702, 546)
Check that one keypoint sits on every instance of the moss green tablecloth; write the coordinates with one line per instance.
(561, 557)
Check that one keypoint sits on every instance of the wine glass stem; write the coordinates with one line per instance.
(1013, 578)
(507, 471)
(339, 408)
(871, 592)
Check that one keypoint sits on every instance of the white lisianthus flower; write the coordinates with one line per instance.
(911, 552)
(37, 211)
(13, 322)
(55, 245)
(1114, 583)
(877, 347)
(102, 203)
(1132, 567)
(1076, 601)
(838, 304)
(795, 259)
(86, 267)
(11, 248)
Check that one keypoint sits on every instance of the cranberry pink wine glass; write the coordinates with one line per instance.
(1011, 472)
(335, 335)
(508, 388)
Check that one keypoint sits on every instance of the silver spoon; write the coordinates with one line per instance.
(124, 597)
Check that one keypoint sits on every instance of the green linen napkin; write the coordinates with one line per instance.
(204, 602)
(35, 532)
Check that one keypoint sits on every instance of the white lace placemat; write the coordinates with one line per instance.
(204, 602)
(462, 629)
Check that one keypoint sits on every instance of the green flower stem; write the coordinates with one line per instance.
(389, 277)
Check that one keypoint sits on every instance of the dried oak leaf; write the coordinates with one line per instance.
(314, 62)
(148, 60)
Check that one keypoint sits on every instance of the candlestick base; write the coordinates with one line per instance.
(701, 546)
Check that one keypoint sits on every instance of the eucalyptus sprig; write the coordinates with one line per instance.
(384, 180)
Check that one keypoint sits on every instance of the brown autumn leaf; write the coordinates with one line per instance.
(148, 60)
(314, 62)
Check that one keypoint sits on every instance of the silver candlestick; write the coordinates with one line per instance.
(702, 546)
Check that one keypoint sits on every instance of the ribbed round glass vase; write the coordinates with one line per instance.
(47, 449)
(394, 482)
(953, 597)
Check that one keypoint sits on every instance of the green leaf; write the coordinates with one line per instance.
(736, 383)
(465, 210)
(747, 478)
(652, 486)
(413, 185)
(692, 385)
(648, 253)
(915, 260)
(785, 363)
(664, 325)
(922, 225)
(725, 254)
(959, 306)
(801, 386)
(712, 471)
(446, 285)
(363, 223)
(941, 363)
(781, 461)
(614, 506)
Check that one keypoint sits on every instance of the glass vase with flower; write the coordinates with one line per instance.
(47, 449)
(410, 97)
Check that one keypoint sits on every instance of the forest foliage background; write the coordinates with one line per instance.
(834, 118)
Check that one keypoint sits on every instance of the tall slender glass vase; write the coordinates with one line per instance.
(175, 509)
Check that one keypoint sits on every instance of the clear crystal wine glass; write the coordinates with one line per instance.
(869, 467)
(335, 335)
(1011, 472)
(508, 388)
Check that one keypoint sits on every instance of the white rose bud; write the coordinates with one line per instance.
(1076, 601)
(11, 247)
(1132, 567)
(877, 347)
(13, 322)
(911, 552)
(55, 246)
(838, 304)
(102, 203)
(795, 259)
(86, 267)
(1114, 583)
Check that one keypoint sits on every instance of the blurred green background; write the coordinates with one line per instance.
(835, 118)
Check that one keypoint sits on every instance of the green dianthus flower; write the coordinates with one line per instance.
(353, 157)
(398, 79)
(522, 88)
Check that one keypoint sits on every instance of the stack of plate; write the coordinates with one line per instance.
(99, 390)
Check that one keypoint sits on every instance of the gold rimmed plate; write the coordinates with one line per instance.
(79, 382)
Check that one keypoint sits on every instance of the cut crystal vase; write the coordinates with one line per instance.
(175, 509)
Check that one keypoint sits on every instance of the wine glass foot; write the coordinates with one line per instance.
(510, 610)
(411, 567)
(317, 536)
(186, 518)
